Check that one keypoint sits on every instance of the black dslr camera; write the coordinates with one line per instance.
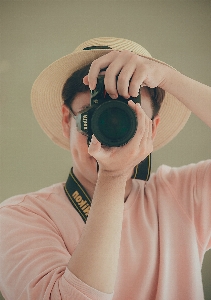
(112, 122)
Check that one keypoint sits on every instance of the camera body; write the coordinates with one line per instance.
(112, 122)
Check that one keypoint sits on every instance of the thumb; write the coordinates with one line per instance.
(94, 146)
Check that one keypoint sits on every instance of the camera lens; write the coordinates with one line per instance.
(114, 123)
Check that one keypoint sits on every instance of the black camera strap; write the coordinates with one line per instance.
(142, 170)
(77, 196)
(80, 198)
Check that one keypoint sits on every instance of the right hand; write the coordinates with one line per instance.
(120, 161)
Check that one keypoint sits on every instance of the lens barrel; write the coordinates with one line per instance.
(114, 123)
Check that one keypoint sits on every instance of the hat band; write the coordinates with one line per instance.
(96, 47)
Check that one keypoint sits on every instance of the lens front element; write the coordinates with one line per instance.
(114, 123)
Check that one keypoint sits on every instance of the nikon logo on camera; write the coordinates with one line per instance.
(85, 122)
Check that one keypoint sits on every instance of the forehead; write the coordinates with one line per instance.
(82, 100)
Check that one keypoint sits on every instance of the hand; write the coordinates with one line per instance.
(132, 70)
(120, 161)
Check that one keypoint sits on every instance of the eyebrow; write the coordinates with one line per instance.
(84, 107)
(80, 110)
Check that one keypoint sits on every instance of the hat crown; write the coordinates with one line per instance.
(112, 43)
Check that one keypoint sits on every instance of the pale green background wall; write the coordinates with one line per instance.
(35, 33)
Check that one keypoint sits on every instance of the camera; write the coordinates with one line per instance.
(112, 121)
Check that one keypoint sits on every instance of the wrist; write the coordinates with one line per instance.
(170, 75)
(119, 175)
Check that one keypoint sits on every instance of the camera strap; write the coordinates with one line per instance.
(142, 170)
(79, 198)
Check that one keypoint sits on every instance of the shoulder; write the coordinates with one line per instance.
(181, 181)
(33, 198)
(47, 208)
(191, 171)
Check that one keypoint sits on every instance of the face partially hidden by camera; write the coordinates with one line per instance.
(84, 165)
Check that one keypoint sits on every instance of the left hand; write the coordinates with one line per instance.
(132, 70)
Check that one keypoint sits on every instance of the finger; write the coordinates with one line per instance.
(99, 64)
(141, 128)
(131, 76)
(136, 82)
(132, 105)
(124, 79)
(146, 145)
(110, 82)
(85, 80)
(124, 67)
(94, 147)
(150, 139)
(144, 131)
(140, 114)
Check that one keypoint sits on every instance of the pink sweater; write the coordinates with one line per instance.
(166, 231)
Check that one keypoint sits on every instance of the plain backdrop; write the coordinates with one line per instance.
(35, 33)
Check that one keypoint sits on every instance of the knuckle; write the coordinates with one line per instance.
(111, 56)
(113, 53)
(126, 52)
(135, 58)
(95, 63)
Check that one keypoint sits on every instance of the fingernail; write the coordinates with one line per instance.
(114, 96)
(94, 140)
(131, 102)
(92, 85)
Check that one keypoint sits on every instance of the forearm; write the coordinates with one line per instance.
(195, 95)
(95, 259)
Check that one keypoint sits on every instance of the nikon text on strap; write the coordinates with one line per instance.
(77, 196)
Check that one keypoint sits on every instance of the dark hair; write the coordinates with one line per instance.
(157, 95)
(75, 85)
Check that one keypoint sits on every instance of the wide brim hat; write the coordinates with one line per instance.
(46, 94)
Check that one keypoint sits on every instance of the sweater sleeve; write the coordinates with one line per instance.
(34, 258)
(191, 187)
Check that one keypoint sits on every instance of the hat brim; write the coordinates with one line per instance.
(46, 99)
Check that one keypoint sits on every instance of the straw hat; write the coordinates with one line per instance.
(47, 90)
